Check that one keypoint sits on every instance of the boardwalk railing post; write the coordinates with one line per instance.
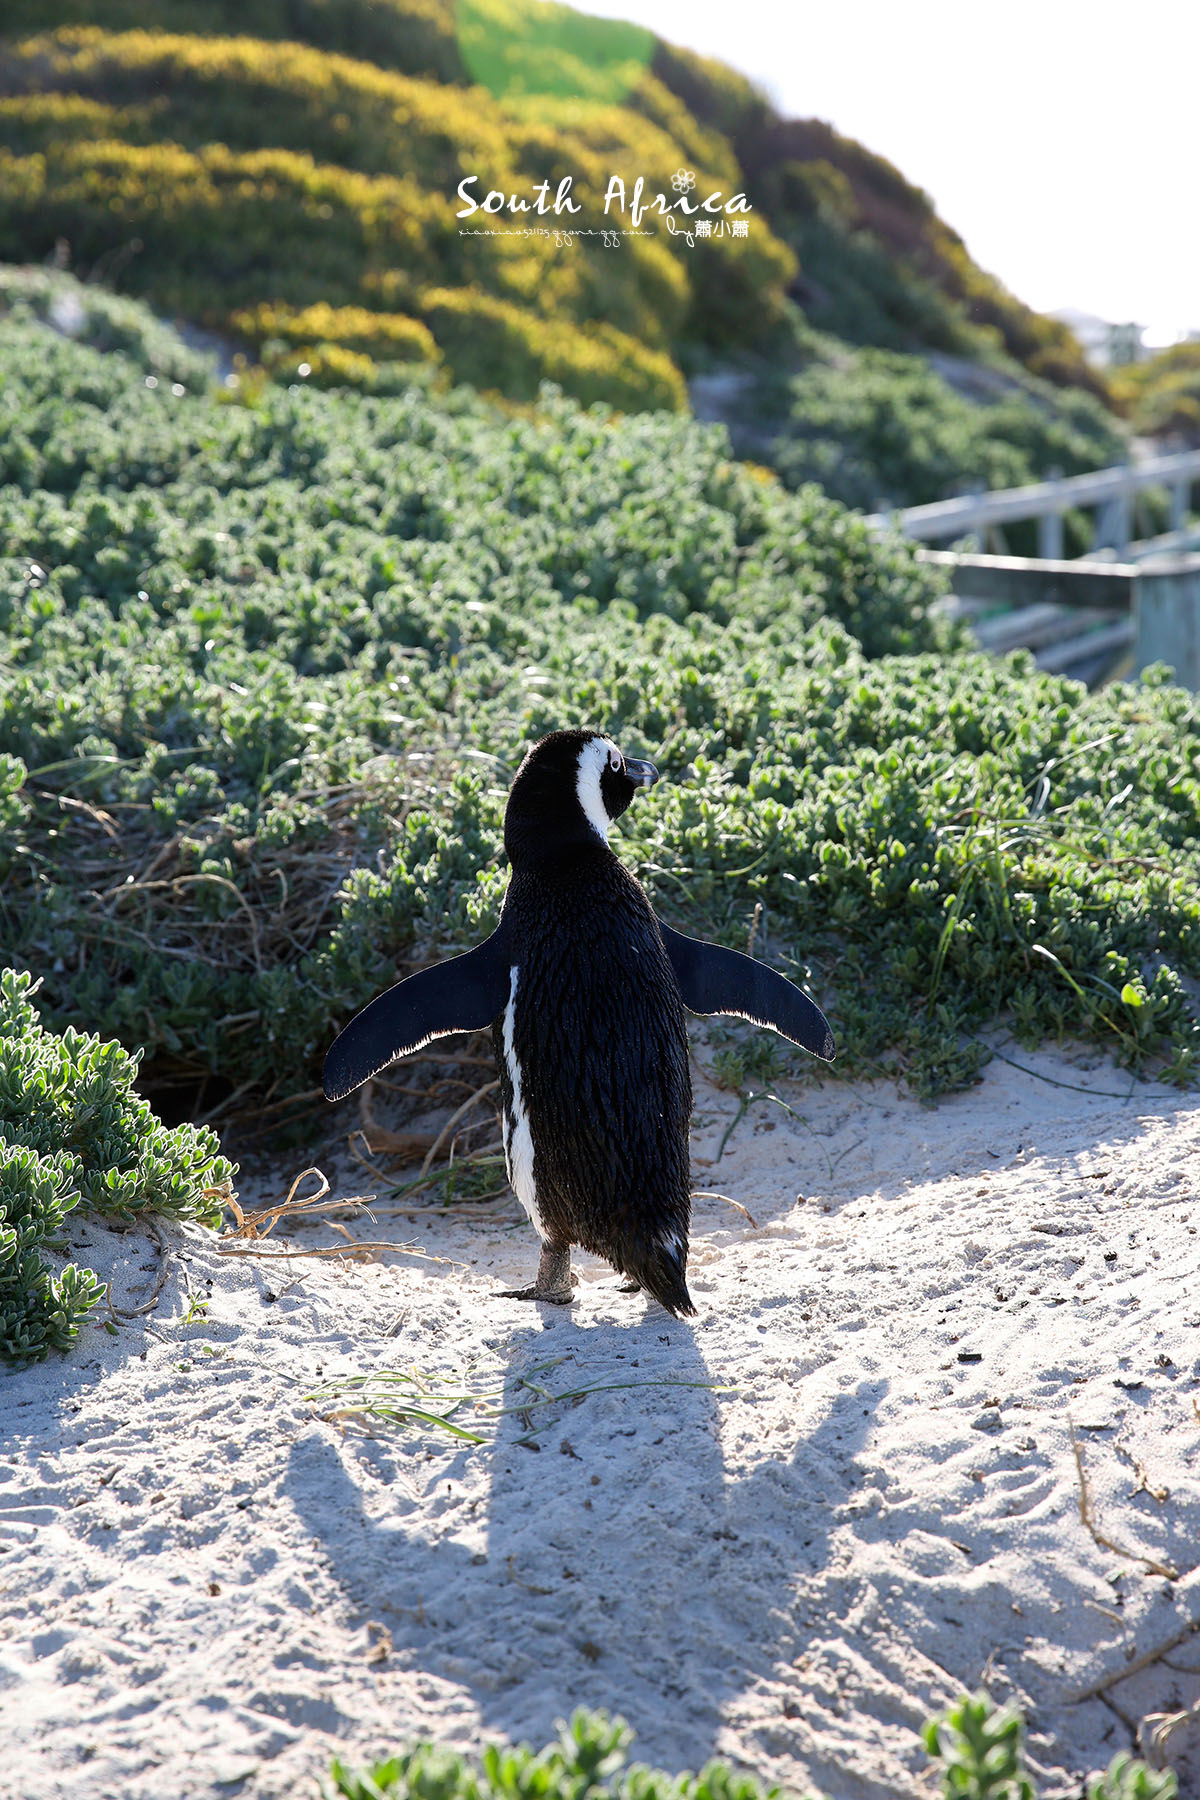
(1113, 525)
(1050, 536)
(1166, 611)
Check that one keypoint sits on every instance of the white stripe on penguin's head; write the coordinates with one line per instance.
(594, 758)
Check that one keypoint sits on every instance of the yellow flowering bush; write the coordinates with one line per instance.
(388, 337)
(251, 182)
(494, 345)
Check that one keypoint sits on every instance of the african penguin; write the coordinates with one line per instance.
(585, 991)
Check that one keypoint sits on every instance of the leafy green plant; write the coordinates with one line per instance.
(978, 1747)
(1127, 1778)
(72, 1130)
(752, 1057)
(981, 1749)
(587, 1759)
(269, 663)
(39, 1311)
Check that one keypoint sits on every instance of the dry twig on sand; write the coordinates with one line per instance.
(380, 1141)
(123, 1314)
(460, 1113)
(255, 1226)
(711, 1194)
(1099, 1687)
(1157, 1729)
(261, 1221)
(1106, 1543)
(372, 1140)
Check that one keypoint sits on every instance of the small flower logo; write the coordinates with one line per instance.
(683, 181)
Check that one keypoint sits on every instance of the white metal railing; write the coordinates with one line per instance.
(1112, 490)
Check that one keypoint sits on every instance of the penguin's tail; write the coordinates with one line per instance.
(661, 1273)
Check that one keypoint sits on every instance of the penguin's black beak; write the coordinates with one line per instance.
(642, 774)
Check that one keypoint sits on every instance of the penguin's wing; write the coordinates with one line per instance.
(714, 980)
(464, 994)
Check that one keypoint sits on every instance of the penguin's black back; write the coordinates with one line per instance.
(599, 1036)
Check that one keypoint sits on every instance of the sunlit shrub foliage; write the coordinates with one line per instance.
(879, 428)
(317, 161)
(233, 174)
(72, 1130)
(270, 660)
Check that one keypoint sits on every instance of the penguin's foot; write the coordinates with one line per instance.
(537, 1293)
(555, 1280)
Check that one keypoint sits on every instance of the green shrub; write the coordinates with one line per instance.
(72, 1130)
(270, 665)
(417, 36)
(494, 345)
(981, 1748)
(387, 337)
(1162, 394)
(877, 265)
(105, 321)
(546, 49)
(876, 425)
(587, 1761)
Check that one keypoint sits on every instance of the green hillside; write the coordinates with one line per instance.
(243, 182)
(297, 189)
(1162, 394)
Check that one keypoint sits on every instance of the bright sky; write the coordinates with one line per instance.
(1060, 138)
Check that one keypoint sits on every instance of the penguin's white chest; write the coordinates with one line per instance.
(518, 1139)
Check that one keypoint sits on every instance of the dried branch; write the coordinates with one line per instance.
(461, 1112)
(123, 1314)
(261, 1221)
(1157, 1729)
(382, 1142)
(1100, 1687)
(1107, 1543)
(711, 1194)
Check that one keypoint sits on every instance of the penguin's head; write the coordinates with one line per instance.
(568, 791)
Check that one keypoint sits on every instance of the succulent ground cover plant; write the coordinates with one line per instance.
(73, 1130)
(270, 661)
(976, 1745)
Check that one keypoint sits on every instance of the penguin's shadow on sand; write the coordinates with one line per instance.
(617, 1565)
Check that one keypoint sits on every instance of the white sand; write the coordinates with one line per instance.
(205, 1590)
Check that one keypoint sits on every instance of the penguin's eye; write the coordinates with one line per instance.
(614, 759)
